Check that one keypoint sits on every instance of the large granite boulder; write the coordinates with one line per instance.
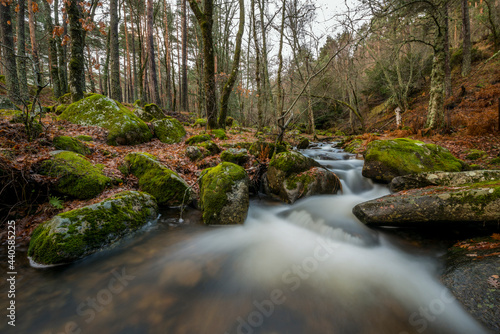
(76, 175)
(292, 176)
(422, 180)
(387, 159)
(124, 127)
(75, 234)
(224, 197)
(477, 203)
(169, 130)
(149, 112)
(156, 179)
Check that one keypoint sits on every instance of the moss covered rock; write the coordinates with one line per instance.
(84, 138)
(236, 156)
(475, 154)
(386, 159)
(476, 203)
(75, 234)
(354, 146)
(6, 103)
(149, 112)
(77, 177)
(124, 127)
(303, 144)
(224, 197)
(195, 153)
(219, 134)
(197, 139)
(200, 122)
(264, 149)
(65, 99)
(169, 130)
(154, 178)
(71, 144)
(210, 147)
(292, 176)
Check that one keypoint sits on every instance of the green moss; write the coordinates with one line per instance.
(304, 178)
(169, 130)
(386, 159)
(210, 146)
(70, 144)
(124, 127)
(84, 138)
(495, 161)
(65, 99)
(60, 109)
(475, 154)
(8, 113)
(292, 162)
(236, 156)
(77, 177)
(219, 134)
(477, 197)
(197, 139)
(74, 234)
(353, 146)
(215, 183)
(201, 122)
(156, 179)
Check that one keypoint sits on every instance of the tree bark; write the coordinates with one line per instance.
(21, 52)
(53, 61)
(106, 68)
(76, 62)
(466, 48)
(279, 111)
(167, 59)
(184, 85)
(257, 70)
(61, 52)
(153, 81)
(228, 87)
(114, 48)
(34, 44)
(205, 21)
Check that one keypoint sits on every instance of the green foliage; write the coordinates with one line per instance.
(457, 56)
(197, 139)
(219, 134)
(56, 202)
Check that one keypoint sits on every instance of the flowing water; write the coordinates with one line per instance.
(311, 267)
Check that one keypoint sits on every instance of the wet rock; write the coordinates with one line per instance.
(387, 159)
(292, 176)
(303, 144)
(422, 180)
(477, 203)
(77, 233)
(224, 194)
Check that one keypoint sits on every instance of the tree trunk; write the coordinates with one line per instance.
(134, 61)
(61, 53)
(279, 104)
(106, 68)
(167, 59)
(466, 49)
(76, 62)
(228, 87)
(21, 52)
(129, 68)
(184, 85)
(205, 21)
(257, 70)
(265, 63)
(114, 48)
(53, 61)
(34, 45)
(153, 81)
(447, 65)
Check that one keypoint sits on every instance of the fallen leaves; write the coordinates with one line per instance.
(494, 282)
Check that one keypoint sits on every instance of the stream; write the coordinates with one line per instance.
(310, 267)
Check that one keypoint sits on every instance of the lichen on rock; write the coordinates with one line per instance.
(77, 233)
(124, 127)
(224, 196)
(156, 179)
(76, 176)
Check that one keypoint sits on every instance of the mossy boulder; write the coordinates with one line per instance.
(386, 159)
(6, 103)
(72, 235)
(474, 154)
(230, 121)
(224, 196)
(303, 144)
(124, 127)
(70, 144)
(354, 146)
(11, 114)
(469, 204)
(210, 146)
(169, 130)
(200, 122)
(154, 178)
(149, 112)
(84, 138)
(413, 181)
(65, 99)
(195, 153)
(264, 149)
(292, 176)
(77, 177)
(234, 155)
(219, 134)
(198, 139)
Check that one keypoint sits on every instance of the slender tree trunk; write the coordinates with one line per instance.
(257, 70)
(61, 53)
(21, 52)
(90, 71)
(265, 63)
(76, 62)
(205, 21)
(228, 87)
(184, 85)
(129, 70)
(114, 47)
(153, 81)
(279, 112)
(447, 65)
(53, 61)
(134, 61)
(106, 67)
(466, 51)
(310, 114)
(34, 45)
(167, 59)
